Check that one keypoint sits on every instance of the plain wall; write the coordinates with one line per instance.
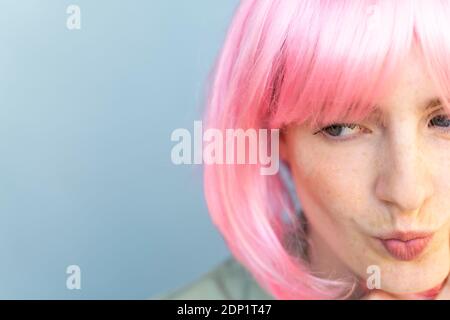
(85, 123)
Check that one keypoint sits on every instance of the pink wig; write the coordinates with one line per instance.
(292, 61)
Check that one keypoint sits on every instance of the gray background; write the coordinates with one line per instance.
(85, 124)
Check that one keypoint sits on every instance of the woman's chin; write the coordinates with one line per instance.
(409, 278)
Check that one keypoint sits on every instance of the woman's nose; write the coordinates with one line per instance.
(404, 180)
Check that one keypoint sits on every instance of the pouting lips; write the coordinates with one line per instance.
(406, 249)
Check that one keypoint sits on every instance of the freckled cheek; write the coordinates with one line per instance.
(340, 184)
(438, 170)
(440, 200)
(441, 173)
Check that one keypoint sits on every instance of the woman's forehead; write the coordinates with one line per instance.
(412, 88)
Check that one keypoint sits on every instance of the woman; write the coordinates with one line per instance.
(360, 93)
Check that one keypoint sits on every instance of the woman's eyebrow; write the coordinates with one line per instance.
(434, 102)
(378, 115)
(430, 103)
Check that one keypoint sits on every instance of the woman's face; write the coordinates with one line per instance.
(378, 193)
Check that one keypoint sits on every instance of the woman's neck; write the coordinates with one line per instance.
(324, 263)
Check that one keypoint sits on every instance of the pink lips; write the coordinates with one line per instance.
(406, 245)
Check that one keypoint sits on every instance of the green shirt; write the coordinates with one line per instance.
(228, 280)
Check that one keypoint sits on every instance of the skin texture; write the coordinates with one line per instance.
(390, 172)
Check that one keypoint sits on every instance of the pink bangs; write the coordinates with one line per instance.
(295, 61)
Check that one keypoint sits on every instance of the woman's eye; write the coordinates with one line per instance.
(441, 121)
(340, 130)
(345, 130)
